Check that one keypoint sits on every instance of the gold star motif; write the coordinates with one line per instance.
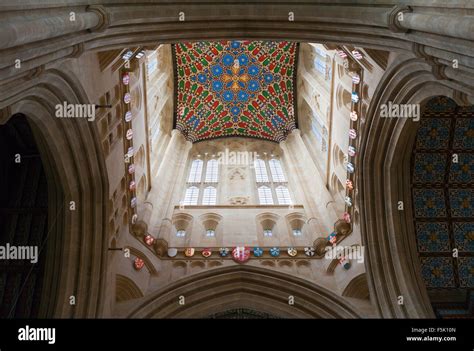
(433, 236)
(235, 78)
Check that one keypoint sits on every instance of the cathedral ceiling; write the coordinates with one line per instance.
(235, 88)
(443, 198)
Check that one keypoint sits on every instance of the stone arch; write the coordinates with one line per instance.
(336, 186)
(285, 263)
(376, 171)
(110, 27)
(346, 99)
(268, 263)
(357, 288)
(126, 289)
(140, 157)
(243, 287)
(179, 269)
(76, 171)
(343, 98)
(179, 264)
(337, 155)
(142, 187)
(23, 218)
(212, 264)
(266, 221)
(383, 179)
(441, 175)
(182, 221)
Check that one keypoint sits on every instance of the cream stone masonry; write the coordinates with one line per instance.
(46, 59)
(378, 27)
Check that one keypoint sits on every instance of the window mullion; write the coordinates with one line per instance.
(271, 181)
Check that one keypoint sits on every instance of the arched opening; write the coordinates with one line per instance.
(357, 288)
(126, 289)
(384, 184)
(242, 313)
(23, 221)
(243, 287)
(146, 30)
(442, 184)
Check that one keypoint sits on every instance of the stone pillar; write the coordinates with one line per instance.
(169, 174)
(164, 177)
(159, 149)
(318, 201)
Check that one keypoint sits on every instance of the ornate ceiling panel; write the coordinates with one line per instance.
(235, 88)
(443, 198)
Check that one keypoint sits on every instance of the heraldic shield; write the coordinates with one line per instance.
(241, 254)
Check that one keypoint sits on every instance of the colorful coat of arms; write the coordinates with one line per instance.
(257, 251)
(292, 251)
(309, 251)
(224, 251)
(138, 263)
(172, 252)
(189, 252)
(207, 252)
(275, 251)
(241, 254)
(149, 240)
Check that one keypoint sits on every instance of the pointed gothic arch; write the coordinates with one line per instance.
(384, 179)
(76, 171)
(218, 290)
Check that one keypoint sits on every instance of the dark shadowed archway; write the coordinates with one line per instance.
(75, 171)
(23, 221)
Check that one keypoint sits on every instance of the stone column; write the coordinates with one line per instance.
(159, 149)
(168, 174)
(318, 201)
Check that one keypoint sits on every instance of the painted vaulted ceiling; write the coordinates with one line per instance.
(235, 88)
